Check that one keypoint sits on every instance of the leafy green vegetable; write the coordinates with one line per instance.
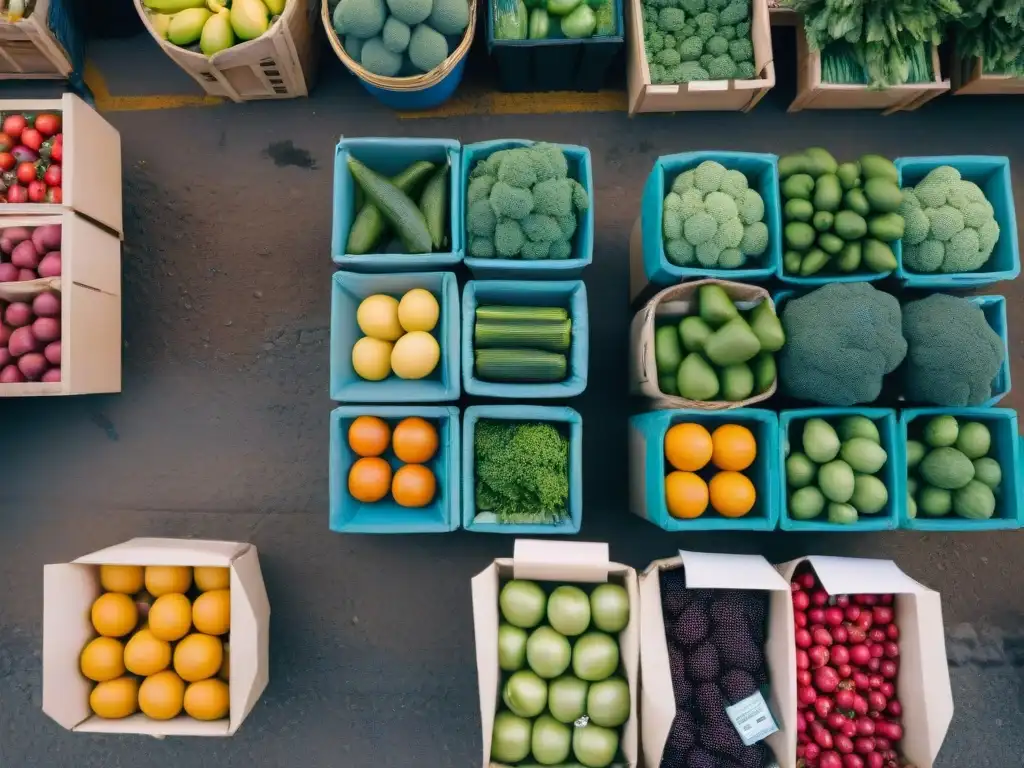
(994, 31)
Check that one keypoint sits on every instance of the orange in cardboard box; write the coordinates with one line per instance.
(207, 699)
(162, 695)
(146, 654)
(165, 579)
(170, 617)
(122, 578)
(102, 659)
(115, 699)
(114, 614)
(211, 612)
(208, 579)
(198, 657)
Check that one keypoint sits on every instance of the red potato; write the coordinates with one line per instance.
(11, 236)
(46, 305)
(5, 334)
(5, 357)
(22, 342)
(50, 266)
(8, 273)
(46, 329)
(33, 365)
(47, 238)
(11, 375)
(25, 255)
(52, 374)
(52, 352)
(27, 274)
(18, 314)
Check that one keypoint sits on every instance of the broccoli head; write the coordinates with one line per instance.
(511, 202)
(508, 238)
(522, 471)
(728, 32)
(691, 48)
(717, 46)
(539, 227)
(680, 252)
(480, 218)
(707, 20)
(741, 50)
(533, 250)
(840, 341)
(668, 57)
(692, 70)
(953, 355)
(560, 249)
(745, 71)
(671, 19)
(735, 12)
(479, 189)
(693, 7)
(722, 68)
(655, 43)
(481, 247)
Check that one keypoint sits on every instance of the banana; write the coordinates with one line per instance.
(172, 6)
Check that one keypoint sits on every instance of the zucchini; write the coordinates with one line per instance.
(552, 335)
(397, 207)
(368, 226)
(434, 205)
(520, 365)
(521, 313)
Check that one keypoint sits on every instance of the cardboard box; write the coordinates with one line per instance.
(698, 96)
(91, 167)
(713, 571)
(923, 681)
(562, 561)
(69, 589)
(90, 319)
(970, 79)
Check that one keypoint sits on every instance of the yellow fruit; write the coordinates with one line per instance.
(165, 579)
(371, 358)
(735, 447)
(115, 699)
(146, 654)
(377, 317)
(686, 495)
(415, 355)
(102, 659)
(170, 617)
(211, 612)
(732, 494)
(198, 657)
(161, 695)
(208, 578)
(418, 310)
(688, 447)
(207, 699)
(121, 578)
(224, 673)
(114, 614)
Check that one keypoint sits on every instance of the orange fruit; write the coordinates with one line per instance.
(732, 494)
(369, 479)
(686, 495)
(369, 435)
(734, 447)
(688, 447)
(414, 486)
(415, 440)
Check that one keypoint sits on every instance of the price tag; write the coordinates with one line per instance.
(752, 719)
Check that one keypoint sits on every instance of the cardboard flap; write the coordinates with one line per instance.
(68, 594)
(707, 570)
(657, 699)
(583, 561)
(28, 289)
(141, 725)
(250, 636)
(851, 575)
(485, 623)
(142, 551)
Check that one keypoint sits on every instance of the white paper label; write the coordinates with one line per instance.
(752, 719)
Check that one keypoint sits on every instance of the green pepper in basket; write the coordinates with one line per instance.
(539, 24)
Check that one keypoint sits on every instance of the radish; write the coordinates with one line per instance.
(883, 614)
(816, 615)
(821, 636)
(843, 744)
(802, 661)
(46, 329)
(823, 706)
(52, 352)
(794, 586)
(46, 305)
(5, 358)
(891, 650)
(11, 375)
(864, 621)
(834, 616)
(830, 760)
(33, 365)
(856, 635)
(26, 274)
(840, 655)
(892, 632)
(874, 760)
(852, 612)
(50, 265)
(821, 735)
(808, 581)
(877, 651)
(842, 600)
(8, 273)
(849, 729)
(865, 726)
(890, 731)
(22, 342)
(803, 677)
(801, 601)
(52, 374)
(803, 639)
(844, 699)
(800, 620)
(840, 634)
(818, 656)
(864, 745)
(876, 701)
(882, 744)
(806, 695)
(836, 719)
(888, 689)
(889, 669)
(859, 655)
(860, 704)
(826, 679)
(875, 682)
(853, 761)
(819, 597)
(845, 671)
(812, 751)
(861, 681)
(894, 708)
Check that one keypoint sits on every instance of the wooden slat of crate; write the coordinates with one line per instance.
(970, 79)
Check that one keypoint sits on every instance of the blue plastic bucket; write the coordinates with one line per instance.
(1006, 449)
(570, 294)
(390, 157)
(566, 417)
(518, 269)
(428, 98)
(992, 174)
(348, 289)
(790, 424)
(648, 468)
(348, 515)
(762, 170)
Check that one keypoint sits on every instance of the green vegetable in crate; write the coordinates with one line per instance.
(951, 226)
(553, 336)
(519, 344)
(397, 207)
(993, 32)
(511, 20)
(369, 225)
(953, 354)
(520, 365)
(580, 23)
(540, 24)
(712, 219)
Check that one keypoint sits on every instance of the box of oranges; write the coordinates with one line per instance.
(394, 469)
(705, 471)
(164, 637)
(395, 338)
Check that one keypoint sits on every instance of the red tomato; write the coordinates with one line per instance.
(57, 151)
(37, 191)
(5, 142)
(7, 161)
(26, 172)
(32, 139)
(52, 176)
(54, 195)
(48, 123)
(14, 125)
(17, 194)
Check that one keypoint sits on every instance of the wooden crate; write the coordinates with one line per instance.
(91, 168)
(970, 79)
(812, 93)
(90, 318)
(704, 96)
(277, 65)
(32, 49)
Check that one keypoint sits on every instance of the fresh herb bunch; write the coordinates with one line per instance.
(993, 30)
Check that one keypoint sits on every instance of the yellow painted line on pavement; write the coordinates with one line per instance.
(494, 103)
(105, 102)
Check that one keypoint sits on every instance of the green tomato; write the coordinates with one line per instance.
(511, 647)
(569, 611)
(609, 608)
(595, 657)
(522, 603)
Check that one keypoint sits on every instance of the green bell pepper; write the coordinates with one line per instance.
(580, 23)
(539, 24)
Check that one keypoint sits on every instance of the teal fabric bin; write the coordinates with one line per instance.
(570, 294)
(1006, 449)
(348, 289)
(762, 171)
(567, 419)
(390, 157)
(791, 424)
(548, 269)
(347, 515)
(648, 468)
(992, 174)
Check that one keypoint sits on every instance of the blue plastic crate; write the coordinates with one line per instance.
(550, 269)
(1006, 449)
(648, 468)
(390, 157)
(561, 416)
(762, 170)
(347, 515)
(992, 174)
(348, 289)
(895, 483)
(571, 294)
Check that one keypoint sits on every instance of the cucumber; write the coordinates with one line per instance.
(523, 314)
(554, 336)
(520, 365)
(434, 205)
(397, 207)
(367, 228)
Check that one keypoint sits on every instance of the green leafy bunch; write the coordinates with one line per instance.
(993, 30)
